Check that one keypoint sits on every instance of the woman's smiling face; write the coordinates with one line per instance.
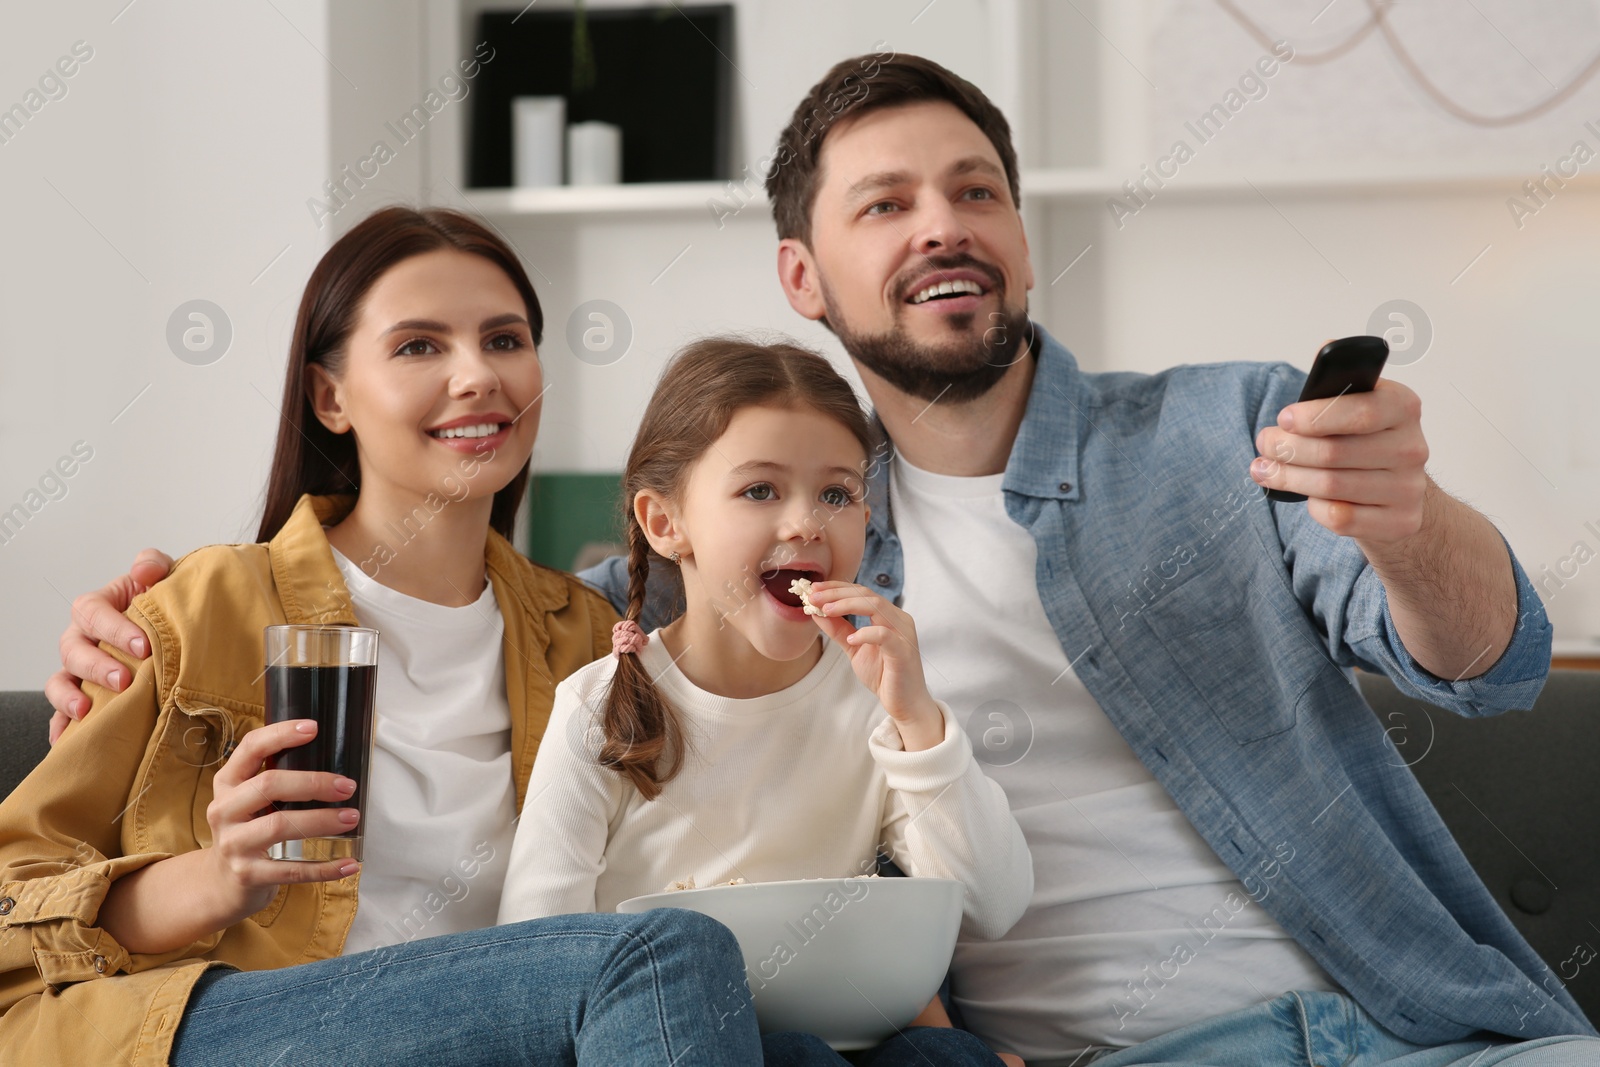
(441, 383)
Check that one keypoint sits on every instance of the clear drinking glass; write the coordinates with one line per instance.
(326, 673)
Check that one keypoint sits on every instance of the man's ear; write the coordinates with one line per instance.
(659, 521)
(797, 273)
(327, 399)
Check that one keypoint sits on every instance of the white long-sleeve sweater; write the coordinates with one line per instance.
(807, 782)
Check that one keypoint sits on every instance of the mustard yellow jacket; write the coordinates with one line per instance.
(129, 785)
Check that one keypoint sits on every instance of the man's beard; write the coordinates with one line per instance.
(963, 368)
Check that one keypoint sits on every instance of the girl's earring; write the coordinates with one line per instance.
(674, 557)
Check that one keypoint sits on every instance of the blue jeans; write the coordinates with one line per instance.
(662, 988)
(1331, 1029)
(916, 1047)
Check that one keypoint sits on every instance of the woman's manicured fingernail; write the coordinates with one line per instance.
(75, 709)
(1260, 468)
(345, 785)
(140, 647)
(349, 815)
(350, 868)
(114, 679)
(305, 726)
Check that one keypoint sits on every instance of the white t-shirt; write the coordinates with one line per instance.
(807, 782)
(442, 799)
(1122, 878)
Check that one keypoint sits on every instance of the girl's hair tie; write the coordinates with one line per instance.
(626, 637)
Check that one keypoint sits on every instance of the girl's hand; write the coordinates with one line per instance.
(244, 826)
(884, 655)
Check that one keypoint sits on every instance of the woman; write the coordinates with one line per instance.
(138, 909)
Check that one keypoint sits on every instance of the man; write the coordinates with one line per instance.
(1231, 866)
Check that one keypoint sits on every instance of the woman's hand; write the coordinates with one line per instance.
(244, 823)
(884, 655)
(186, 897)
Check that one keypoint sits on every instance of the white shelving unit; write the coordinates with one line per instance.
(1068, 78)
(1061, 185)
(601, 200)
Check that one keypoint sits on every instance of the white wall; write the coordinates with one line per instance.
(1510, 381)
(182, 152)
(1508, 387)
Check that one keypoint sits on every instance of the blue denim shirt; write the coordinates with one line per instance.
(1217, 631)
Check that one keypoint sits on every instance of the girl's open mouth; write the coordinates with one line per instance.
(784, 601)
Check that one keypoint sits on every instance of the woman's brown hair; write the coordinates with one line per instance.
(705, 385)
(309, 457)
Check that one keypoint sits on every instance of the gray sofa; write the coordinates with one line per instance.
(1520, 792)
(24, 726)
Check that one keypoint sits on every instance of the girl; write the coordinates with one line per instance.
(139, 913)
(734, 743)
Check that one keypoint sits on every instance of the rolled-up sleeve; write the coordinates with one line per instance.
(50, 919)
(1511, 681)
(1338, 587)
(61, 844)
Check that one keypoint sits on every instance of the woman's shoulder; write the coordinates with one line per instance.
(550, 584)
(204, 621)
(207, 578)
(576, 616)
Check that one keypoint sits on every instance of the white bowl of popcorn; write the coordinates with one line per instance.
(851, 960)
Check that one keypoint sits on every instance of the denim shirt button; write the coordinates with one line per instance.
(1065, 487)
(882, 579)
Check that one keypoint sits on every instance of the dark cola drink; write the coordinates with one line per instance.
(335, 688)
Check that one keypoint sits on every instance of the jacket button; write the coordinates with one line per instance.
(6, 905)
(1065, 487)
(882, 579)
(99, 965)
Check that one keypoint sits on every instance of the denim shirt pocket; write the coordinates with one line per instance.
(1243, 644)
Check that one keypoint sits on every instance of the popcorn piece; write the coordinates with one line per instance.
(801, 587)
(688, 883)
